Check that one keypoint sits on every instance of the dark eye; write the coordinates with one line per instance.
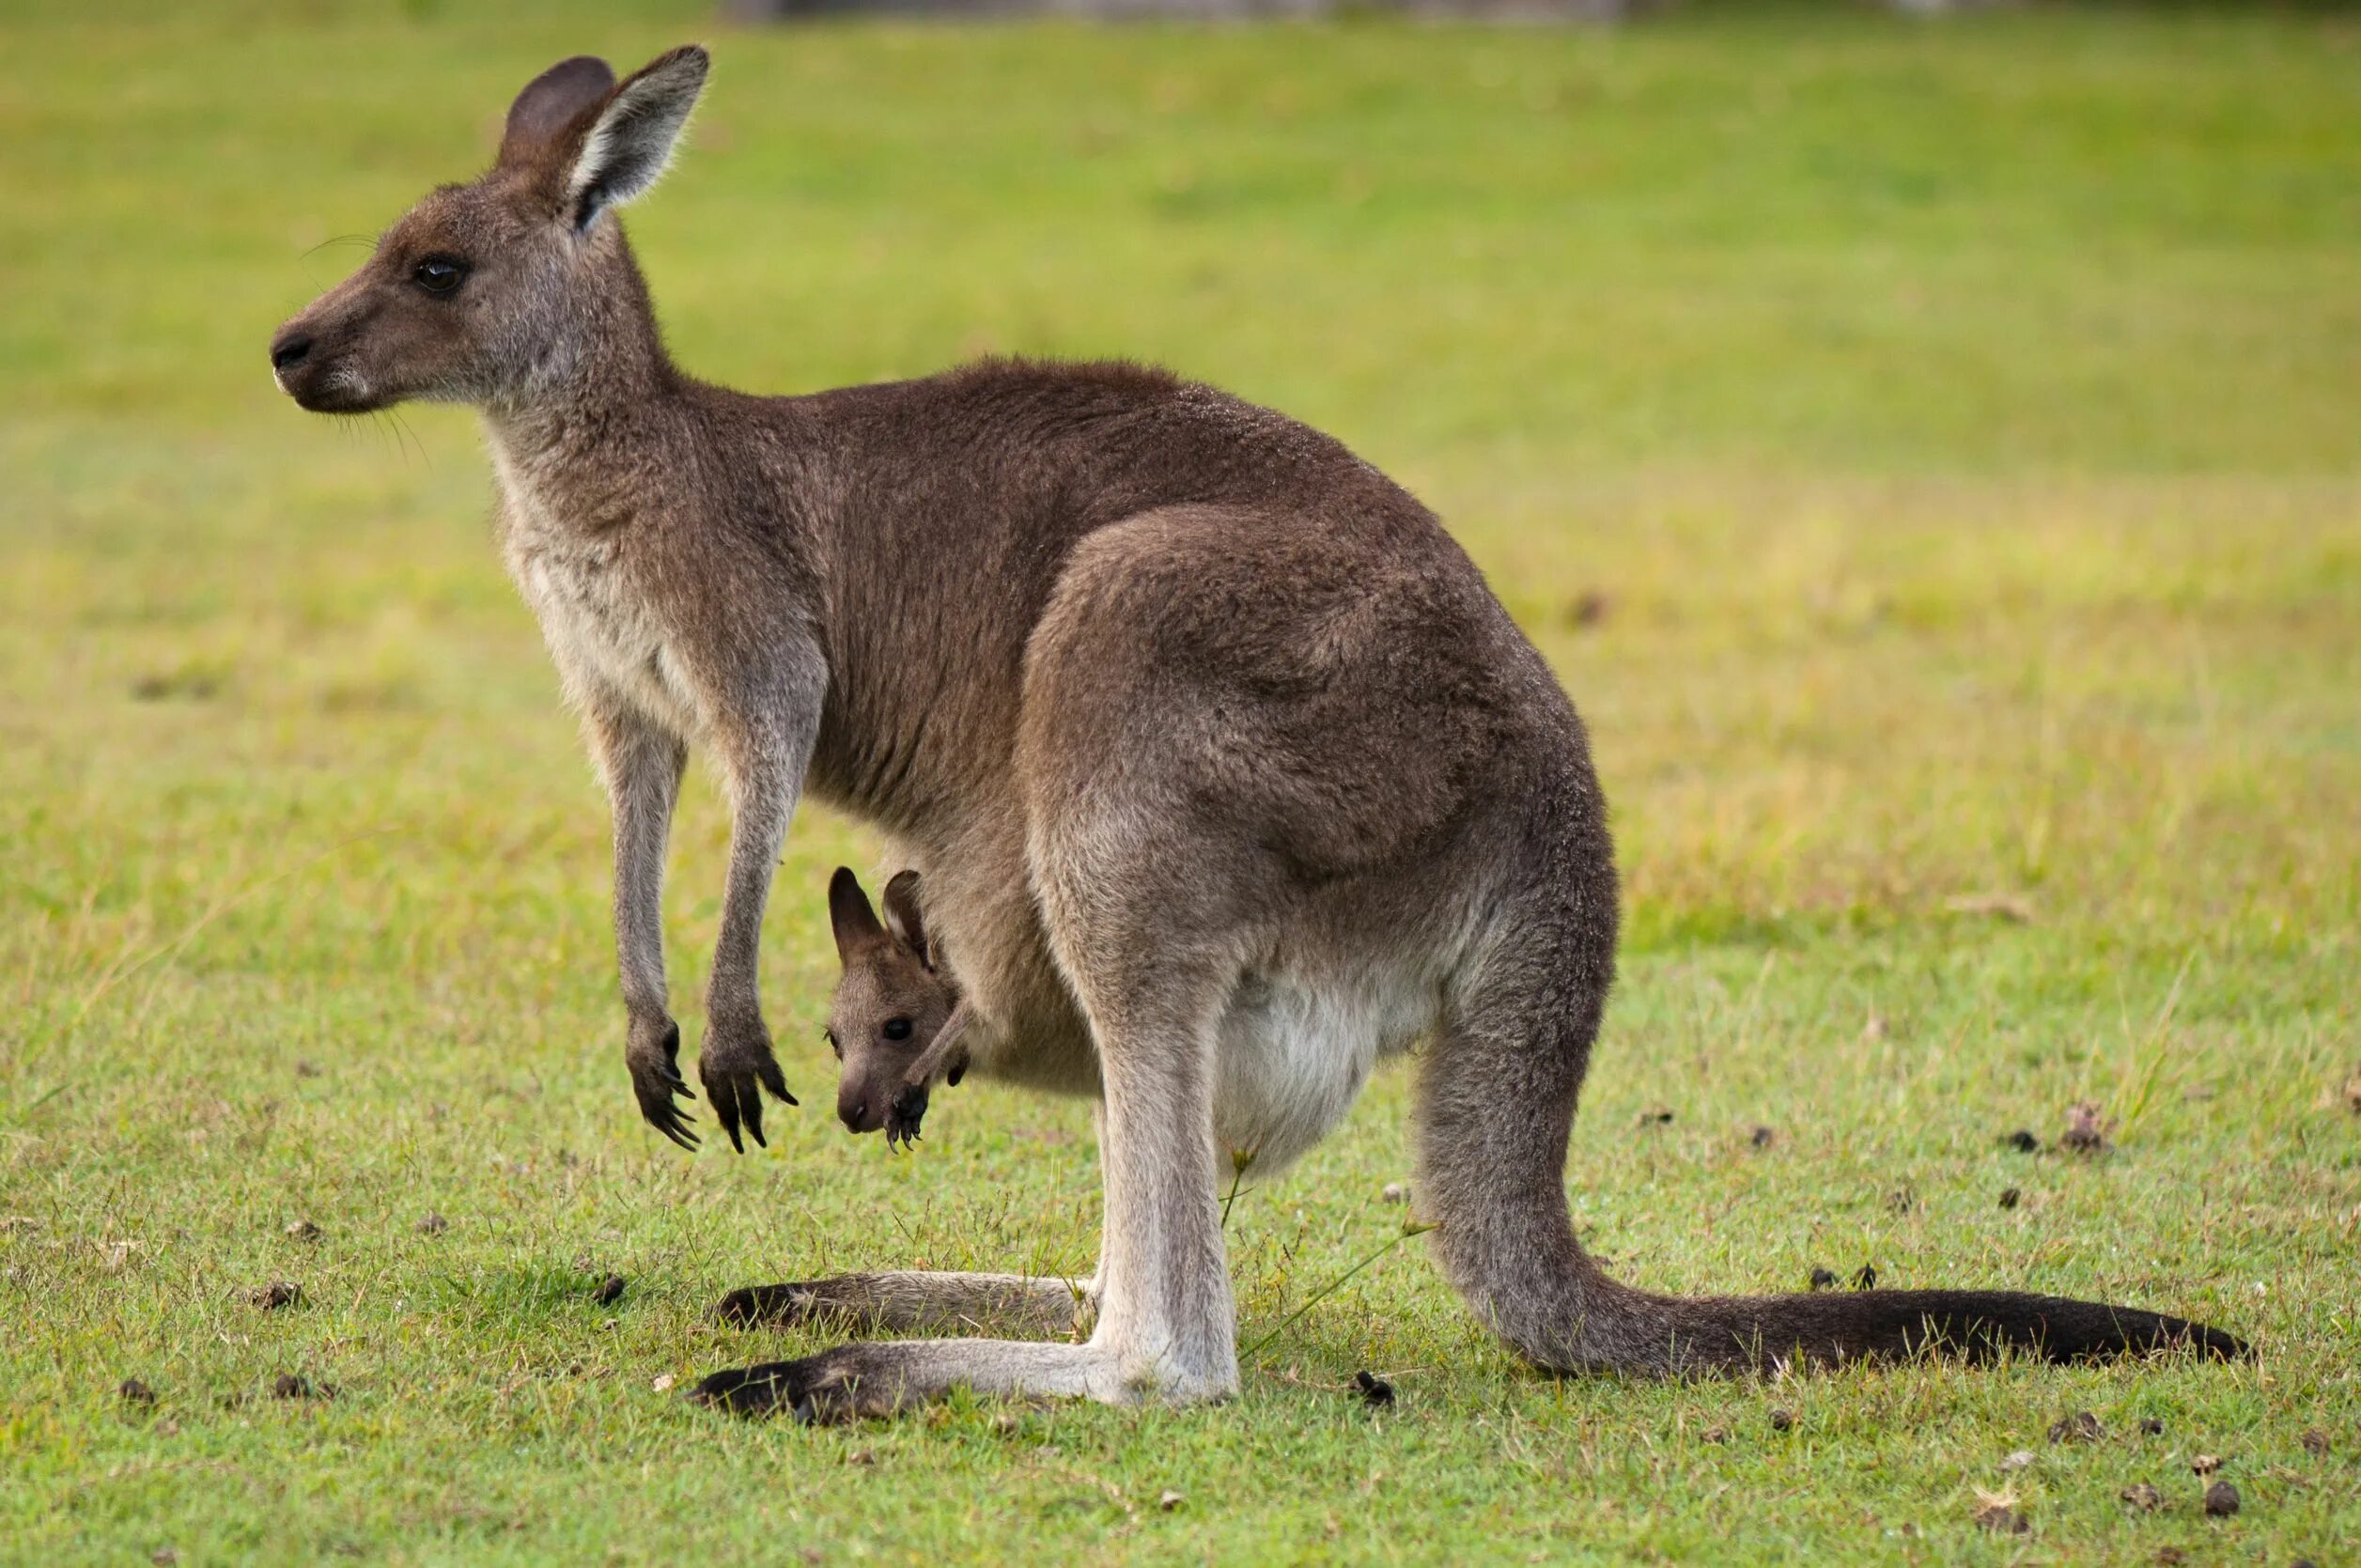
(833, 1044)
(440, 274)
(897, 1029)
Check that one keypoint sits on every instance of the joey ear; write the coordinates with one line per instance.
(628, 143)
(550, 105)
(903, 916)
(850, 915)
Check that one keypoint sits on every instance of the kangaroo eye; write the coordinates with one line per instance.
(833, 1044)
(440, 274)
(897, 1029)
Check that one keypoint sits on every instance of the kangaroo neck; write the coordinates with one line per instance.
(605, 399)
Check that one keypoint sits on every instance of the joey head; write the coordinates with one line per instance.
(895, 1020)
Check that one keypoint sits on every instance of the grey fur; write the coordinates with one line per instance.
(1227, 775)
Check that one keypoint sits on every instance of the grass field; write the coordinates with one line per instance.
(1931, 456)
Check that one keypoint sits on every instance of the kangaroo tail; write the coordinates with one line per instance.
(1498, 1094)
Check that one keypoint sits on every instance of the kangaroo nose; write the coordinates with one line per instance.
(852, 1113)
(288, 348)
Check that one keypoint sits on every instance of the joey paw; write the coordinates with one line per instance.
(903, 1118)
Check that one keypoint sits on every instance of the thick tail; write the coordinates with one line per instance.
(1498, 1094)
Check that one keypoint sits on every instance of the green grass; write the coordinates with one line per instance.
(1960, 427)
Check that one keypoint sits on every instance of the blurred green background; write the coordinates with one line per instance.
(1929, 450)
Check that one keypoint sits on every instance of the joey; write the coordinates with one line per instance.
(896, 1021)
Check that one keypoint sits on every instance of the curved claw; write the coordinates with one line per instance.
(655, 1082)
(724, 1098)
(775, 1081)
(674, 1126)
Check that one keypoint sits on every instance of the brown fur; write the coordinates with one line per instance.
(1227, 775)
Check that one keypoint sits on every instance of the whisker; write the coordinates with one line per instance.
(425, 459)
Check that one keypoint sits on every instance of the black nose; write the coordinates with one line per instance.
(288, 348)
(852, 1113)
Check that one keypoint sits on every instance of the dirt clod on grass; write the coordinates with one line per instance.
(133, 1391)
(2143, 1497)
(291, 1385)
(2081, 1427)
(2151, 1426)
(1999, 1518)
(2087, 1128)
(2010, 1197)
(1373, 1390)
(431, 1224)
(277, 1295)
(2315, 1442)
(610, 1291)
(1762, 1138)
(303, 1230)
(1782, 1421)
(1824, 1279)
(2221, 1500)
(2021, 1141)
(1170, 1499)
(1654, 1116)
(2205, 1463)
(1716, 1434)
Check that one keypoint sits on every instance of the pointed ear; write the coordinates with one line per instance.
(549, 106)
(628, 143)
(903, 916)
(850, 915)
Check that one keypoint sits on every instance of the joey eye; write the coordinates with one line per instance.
(832, 1044)
(440, 274)
(897, 1029)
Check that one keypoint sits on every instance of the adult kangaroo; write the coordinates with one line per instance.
(1227, 775)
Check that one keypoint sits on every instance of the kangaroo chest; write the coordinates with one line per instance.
(600, 625)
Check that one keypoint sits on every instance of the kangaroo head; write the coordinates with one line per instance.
(892, 1002)
(494, 292)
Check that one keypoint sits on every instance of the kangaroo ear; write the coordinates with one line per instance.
(550, 105)
(903, 916)
(850, 915)
(628, 143)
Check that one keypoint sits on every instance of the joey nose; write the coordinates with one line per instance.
(288, 349)
(853, 1112)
